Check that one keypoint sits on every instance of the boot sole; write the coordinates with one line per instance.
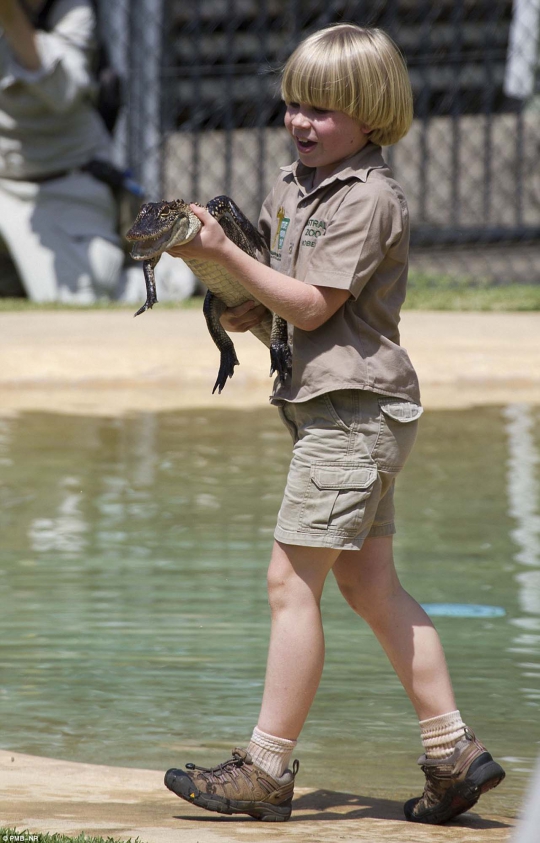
(183, 787)
(462, 796)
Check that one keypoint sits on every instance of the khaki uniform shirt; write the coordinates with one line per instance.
(351, 232)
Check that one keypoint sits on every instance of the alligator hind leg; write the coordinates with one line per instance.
(150, 281)
(280, 353)
(212, 310)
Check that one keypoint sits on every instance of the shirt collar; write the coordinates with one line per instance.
(358, 166)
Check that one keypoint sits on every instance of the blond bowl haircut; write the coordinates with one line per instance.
(356, 70)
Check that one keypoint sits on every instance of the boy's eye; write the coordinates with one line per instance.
(321, 110)
(292, 104)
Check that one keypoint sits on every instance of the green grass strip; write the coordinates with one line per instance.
(424, 292)
(12, 835)
(436, 291)
(515, 297)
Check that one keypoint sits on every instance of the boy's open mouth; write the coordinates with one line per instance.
(305, 145)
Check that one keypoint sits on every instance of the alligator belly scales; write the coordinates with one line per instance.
(161, 225)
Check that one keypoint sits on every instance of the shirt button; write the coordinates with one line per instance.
(290, 249)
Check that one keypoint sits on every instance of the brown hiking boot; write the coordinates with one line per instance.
(236, 787)
(454, 784)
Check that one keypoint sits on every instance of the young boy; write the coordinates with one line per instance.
(338, 230)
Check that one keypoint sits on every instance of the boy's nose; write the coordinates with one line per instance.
(300, 120)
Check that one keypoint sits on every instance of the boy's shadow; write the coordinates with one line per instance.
(334, 805)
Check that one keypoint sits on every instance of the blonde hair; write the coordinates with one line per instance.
(360, 71)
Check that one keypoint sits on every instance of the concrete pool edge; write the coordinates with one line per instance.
(48, 795)
(105, 363)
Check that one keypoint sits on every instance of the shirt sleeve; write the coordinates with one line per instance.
(367, 229)
(65, 75)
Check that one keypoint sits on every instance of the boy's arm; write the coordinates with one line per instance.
(305, 306)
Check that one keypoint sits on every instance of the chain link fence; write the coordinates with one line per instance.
(204, 115)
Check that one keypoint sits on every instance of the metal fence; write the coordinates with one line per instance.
(204, 116)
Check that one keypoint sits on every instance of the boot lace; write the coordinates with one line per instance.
(230, 770)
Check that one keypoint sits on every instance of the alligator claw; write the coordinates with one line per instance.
(148, 305)
(226, 368)
(281, 360)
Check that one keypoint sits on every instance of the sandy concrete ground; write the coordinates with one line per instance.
(56, 796)
(106, 362)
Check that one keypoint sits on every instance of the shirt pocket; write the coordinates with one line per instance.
(337, 495)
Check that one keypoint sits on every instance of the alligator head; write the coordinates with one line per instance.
(161, 225)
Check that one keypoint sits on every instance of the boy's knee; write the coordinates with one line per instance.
(355, 597)
(280, 588)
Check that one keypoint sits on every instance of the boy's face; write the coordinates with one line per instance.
(323, 138)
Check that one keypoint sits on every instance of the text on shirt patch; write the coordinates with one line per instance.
(313, 230)
(279, 236)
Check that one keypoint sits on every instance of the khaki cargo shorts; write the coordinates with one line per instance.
(349, 446)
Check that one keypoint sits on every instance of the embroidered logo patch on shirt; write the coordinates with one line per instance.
(313, 230)
(279, 236)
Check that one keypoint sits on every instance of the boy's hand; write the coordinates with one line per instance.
(209, 244)
(242, 317)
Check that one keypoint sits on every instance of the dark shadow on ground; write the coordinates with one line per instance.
(331, 805)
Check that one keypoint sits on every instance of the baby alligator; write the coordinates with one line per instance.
(161, 225)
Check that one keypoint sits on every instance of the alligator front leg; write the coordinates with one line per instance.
(150, 281)
(280, 353)
(212, 310)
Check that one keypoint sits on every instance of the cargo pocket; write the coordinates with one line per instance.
(399, 426)
(337, 495)
(401, 411)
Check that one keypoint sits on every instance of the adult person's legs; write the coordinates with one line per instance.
(32, 260)
(62, 237)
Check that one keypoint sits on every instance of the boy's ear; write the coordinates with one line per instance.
(365, 129)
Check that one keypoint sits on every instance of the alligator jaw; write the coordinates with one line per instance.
(151, 247)
(181, 231)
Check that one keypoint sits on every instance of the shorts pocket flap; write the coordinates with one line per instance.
(401, 411)
(344, 476)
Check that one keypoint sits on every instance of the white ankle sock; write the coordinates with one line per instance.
(269, 753)
(441, 734)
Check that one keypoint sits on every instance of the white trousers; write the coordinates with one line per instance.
(62, 237)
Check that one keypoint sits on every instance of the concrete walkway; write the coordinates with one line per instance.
(106, 362)
(56, 796)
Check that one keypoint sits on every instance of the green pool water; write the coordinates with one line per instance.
(133, 612)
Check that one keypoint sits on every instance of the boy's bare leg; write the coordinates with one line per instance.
(367, 579)
(257, 780)
(296, 578)
(458, 768)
